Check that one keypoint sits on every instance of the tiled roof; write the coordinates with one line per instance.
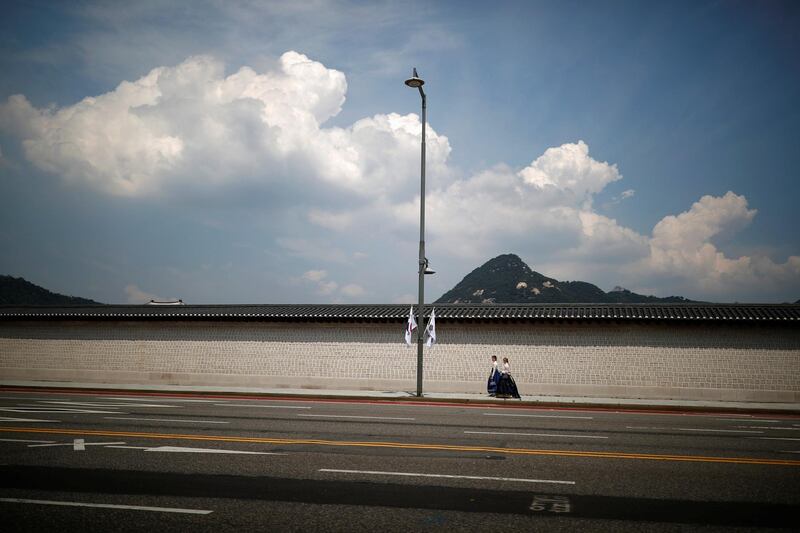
(776, 313)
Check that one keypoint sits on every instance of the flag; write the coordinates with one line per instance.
(430, 330)
(411, 326)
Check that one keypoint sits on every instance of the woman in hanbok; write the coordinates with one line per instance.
(494, 378)
(506, 387)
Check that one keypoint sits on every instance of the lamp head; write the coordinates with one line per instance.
(415, 82)
(427, 271)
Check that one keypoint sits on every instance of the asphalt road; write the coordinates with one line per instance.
(127, 462)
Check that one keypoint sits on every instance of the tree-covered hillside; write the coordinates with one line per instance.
(18, 291)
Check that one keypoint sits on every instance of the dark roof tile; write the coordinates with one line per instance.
(393, 312)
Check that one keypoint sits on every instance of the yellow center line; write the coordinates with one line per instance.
(407, 446)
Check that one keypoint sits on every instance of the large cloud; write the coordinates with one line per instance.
(568, 173)
(682, 247)
(544, 212)
(191, 126)
(544, 208)
(192, 130)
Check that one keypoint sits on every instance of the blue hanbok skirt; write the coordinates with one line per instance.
(491, 385)
(507, 388)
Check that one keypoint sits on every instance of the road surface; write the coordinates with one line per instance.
(149, 462)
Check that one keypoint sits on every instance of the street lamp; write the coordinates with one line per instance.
(415, 82)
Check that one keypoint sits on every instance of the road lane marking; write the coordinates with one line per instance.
(407, 446)
(133, 399)
(696, 429)
(9, 419)
(540, 416)
(181, 449)
(108, 506)
(166, 420)
(534, 434)
(78, 445)
(745, 420)
(358, 416)
(95, 404)
(445, 476)
(25, 440)
(56, 410)
(775, 438)
(262, 406)
(771, 427)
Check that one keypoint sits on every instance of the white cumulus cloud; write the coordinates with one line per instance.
(544, 208)
(683, 247)
(347, 197)
(191, 127)
(568, 173)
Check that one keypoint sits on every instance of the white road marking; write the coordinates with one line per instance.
(77, 444)
(541, 416)
(361, 417)
(551, 504)
(263, 406)
(95, 404)
(775, 438)
(179, 449)
(108, 506)
(9, 419)
(718, 430)
(745, 420)
(790, 451)
(446, 476)
(702, 430)
(171, 400)
(535, 434)
(166, 420)
(25, 440)
(175, 449)
(56, 410)
(771, 427)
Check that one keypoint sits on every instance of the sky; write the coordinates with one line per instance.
(269, 152)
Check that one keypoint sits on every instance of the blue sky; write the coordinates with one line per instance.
(266, 152)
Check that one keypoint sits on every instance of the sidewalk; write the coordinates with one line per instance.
(444, 397)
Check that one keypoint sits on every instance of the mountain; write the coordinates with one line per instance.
(18, 291)
(507, 279)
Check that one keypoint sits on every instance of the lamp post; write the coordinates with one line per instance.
(415, 82)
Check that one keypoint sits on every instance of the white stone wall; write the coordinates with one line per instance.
(680, 361)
